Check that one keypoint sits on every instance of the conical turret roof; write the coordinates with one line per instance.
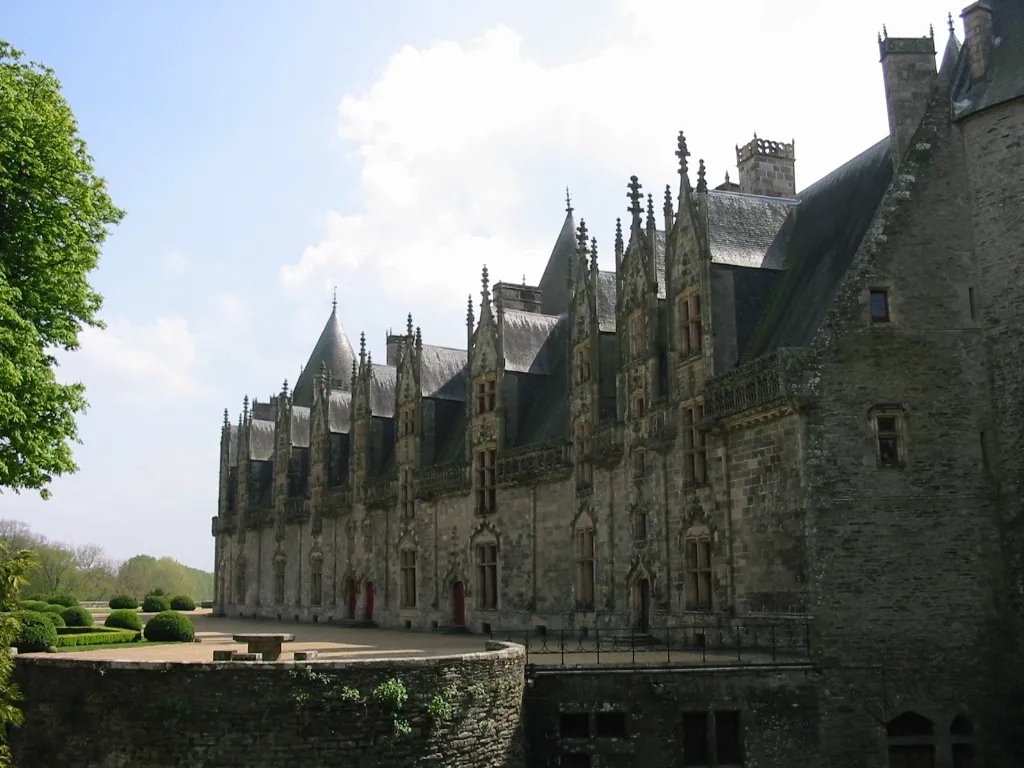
(332, 350)
(553, 284)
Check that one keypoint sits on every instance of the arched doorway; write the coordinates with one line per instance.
(350, 590)
(369, 601)
(458, 604)
(643, 604)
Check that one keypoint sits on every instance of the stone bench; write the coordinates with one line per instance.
(266, 643)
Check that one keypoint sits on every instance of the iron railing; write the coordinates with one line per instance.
(734, 643)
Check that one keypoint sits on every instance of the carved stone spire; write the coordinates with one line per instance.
(581, 237)
(408, 325)
(485, 282)
(568, 201)
(284, 389)
(355, 375)
(682, 153)
(949, 21)
(593, 255)
(651, 224)
(618, 241)
(634, 199)
(245, 407)
(226, 422)
(334, 301)
(362, 347)
(419, 338)
(469, 313)
(702, 181)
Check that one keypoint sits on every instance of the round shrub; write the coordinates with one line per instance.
(170, 625)
(77, 616)
(182, 603)
(63, 598)
(118, 602)
(158, 592)
(156, 604)
(35, 633)
(54, 618)
(124, 618)
(33, 605)
(53, 609)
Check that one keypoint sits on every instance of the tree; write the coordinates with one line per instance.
(54, 216)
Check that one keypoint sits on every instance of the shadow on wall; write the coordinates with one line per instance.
(461, 710)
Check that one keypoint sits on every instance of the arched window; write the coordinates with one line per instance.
(961, 734)
(485, 555)
(697, 550)
(279, 581)
(911, 740)
(584, 564)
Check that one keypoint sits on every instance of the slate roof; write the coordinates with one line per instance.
(748, 230)
(827, 229)
(300, 427)
(232, 445)
(1004, 80)
(606, 301)
(383, 388)
(333, 350)
(443, 373)
(548, 416)
(525, 340)
(339, 412)
(553, 284)
(261, 439)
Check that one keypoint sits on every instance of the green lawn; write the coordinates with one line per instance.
(145, 643)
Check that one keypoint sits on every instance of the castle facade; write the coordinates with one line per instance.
(793, 406)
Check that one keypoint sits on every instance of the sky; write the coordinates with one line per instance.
(267, 153)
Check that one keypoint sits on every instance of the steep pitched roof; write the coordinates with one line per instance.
(524, 338)
(443, 373)
(554, 283)
(827, 229)
(383, 387)
(606, 286)
(333, 350)
(748, 230)
(261, 439)
(1004, 80)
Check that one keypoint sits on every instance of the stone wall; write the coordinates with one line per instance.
(102, 714)
(654, 717)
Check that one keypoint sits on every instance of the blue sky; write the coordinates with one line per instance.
(266, 152)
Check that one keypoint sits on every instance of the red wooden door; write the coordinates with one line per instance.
(459, 604)
(369, 601)
(352, 598)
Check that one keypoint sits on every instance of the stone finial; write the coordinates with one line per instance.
(568, 201)
(581, 237)
(593, 254)
(727, 178)
(618, 237)
(226, 422)
(284, 389)
(369, 359)
(485, 282)
(362, 346)
(355, 375)
(634, 198)
(650, 212)
(524, 278)
(668, 199)
(245, 407)
(334, 301)
(702, 181)
(949, 21)
(469, 311)
(885, 32)
(682, 153)
(419, 338)
(408, 325)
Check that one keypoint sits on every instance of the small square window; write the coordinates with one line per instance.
(879, 305)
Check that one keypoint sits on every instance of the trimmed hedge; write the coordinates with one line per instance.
(98, 637)
(53, 609)
(155, 604)
(170, 625)
(63, 598)
(35, 634)
(84, 630)
(34, 605)
(118, 602)
(182, 603)
(54, 618)
(76, 616)
(124, 618)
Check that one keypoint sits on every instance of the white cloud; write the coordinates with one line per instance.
(157, 359)
(455, 139)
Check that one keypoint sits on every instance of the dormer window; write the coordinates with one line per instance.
(486, 395)
(879, 305)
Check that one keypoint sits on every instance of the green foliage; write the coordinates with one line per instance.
(442, 706)
(56, 214)
(122, 602)
(170, 625)
(10, 696)
(182, 603)
(155, 604)
(98, 636)
(54, 618)
(15, 568)
(35, 632)
(124, 618)
(63, 598)
(35, 605)
(158, 592)
(53, 609)
(76, 616)
(392, 694)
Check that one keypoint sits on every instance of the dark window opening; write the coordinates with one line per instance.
(888, 436)
(612, 725)
(727, 738)
(695, 739)
(970, 303)
(879, 306)
(575, 760)
(574, 725)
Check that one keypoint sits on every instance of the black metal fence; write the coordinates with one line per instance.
(733, 643)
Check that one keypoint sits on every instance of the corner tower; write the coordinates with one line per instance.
(332, 351)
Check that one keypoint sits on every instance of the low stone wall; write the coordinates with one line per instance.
(461, 711)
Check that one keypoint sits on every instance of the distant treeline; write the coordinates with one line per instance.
(86, 572)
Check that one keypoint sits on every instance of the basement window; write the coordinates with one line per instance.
(879, 305)
(611, 725)
(574, 725)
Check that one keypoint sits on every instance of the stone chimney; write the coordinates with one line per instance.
(525, 298)
(767, 168)
(978, 38)
(908, 67)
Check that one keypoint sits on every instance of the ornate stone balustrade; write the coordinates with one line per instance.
(607, 444)
(380, 493)
(755, 384)
(442, 479)
(662, 424)
(296, 510)
(337, 502)
(534, 461)
(259, 517)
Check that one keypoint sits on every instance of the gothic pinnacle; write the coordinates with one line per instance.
(334, 301)
(485, 282)
(634, 198)
(419, 338)
(581, 237)
(593, 254)
(682, 153)
(226, 422)
(469, 311)
(362, 346)
(618, 235)
(284, 388)
(702, 181)
(650, 211)
(949, 20)
(408, 325)
(568, 201)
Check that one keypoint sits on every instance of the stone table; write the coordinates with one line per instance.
(267, 643)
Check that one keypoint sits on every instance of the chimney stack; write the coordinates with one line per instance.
(767, 168)
(908, 67)
(978, 36)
